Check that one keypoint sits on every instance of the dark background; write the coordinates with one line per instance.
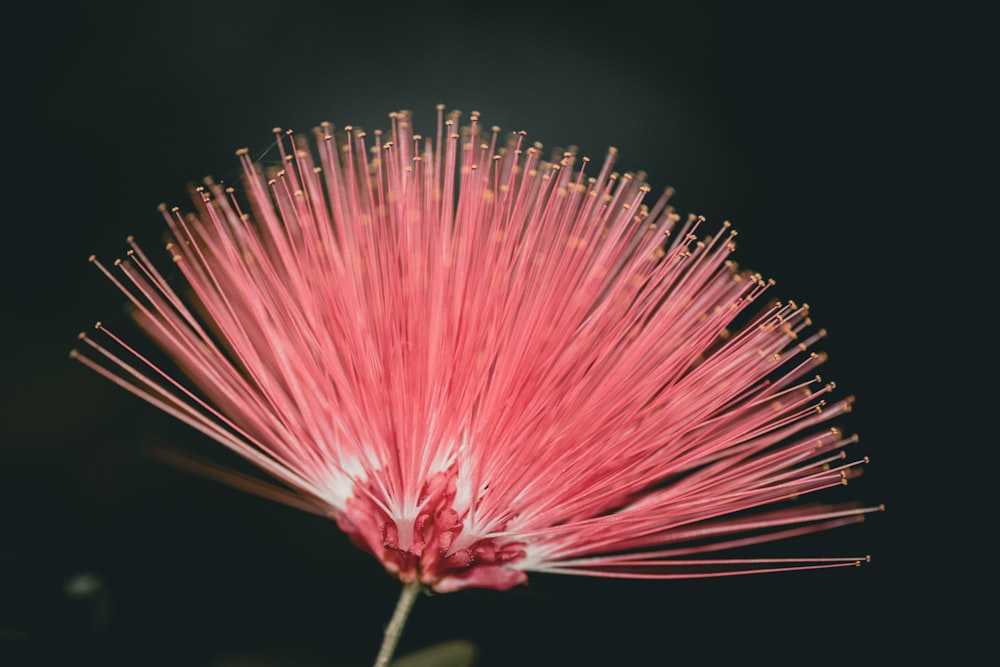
(789, 122)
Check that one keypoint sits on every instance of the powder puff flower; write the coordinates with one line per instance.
(483, 364)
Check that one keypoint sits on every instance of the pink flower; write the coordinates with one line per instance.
(482, 364)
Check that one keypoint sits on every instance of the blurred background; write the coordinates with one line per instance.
(782, 120)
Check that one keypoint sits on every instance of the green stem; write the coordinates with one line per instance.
(394, 630)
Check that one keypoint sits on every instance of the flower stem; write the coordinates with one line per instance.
(394, 630)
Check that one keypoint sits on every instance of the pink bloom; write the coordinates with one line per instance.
(482, 364)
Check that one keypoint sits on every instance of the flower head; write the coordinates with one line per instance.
(482, 364)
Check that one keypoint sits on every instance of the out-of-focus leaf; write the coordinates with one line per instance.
(455, 653)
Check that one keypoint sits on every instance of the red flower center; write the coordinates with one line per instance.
(427, 547)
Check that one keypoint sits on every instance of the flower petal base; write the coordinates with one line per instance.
(423, 548)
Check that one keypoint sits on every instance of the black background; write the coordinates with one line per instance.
(786, 121)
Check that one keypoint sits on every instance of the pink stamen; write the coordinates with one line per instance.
(481, 363)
